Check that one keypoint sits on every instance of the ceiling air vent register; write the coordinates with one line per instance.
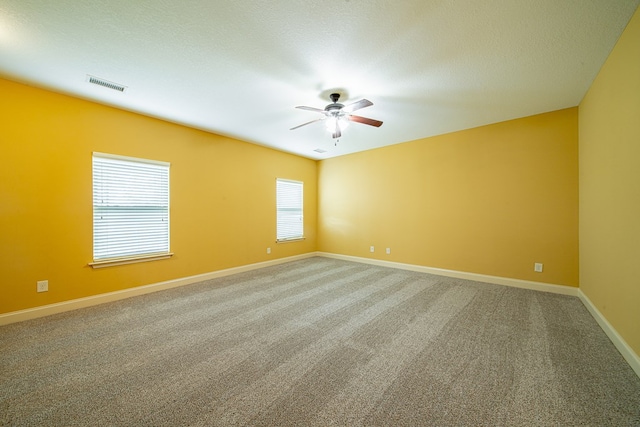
(105, 83)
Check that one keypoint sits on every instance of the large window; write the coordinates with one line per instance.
(130, 208)
(289, 210)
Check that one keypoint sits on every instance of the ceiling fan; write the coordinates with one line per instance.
(336, 113)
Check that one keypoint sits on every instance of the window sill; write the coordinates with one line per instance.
(112, 262)
(295, 239)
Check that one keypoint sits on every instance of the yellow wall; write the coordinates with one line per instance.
(609, 129)
(222, 197)
(491, 200)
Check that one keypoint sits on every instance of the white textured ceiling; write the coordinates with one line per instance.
(239, 68)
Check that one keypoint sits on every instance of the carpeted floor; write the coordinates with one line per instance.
(319, 342)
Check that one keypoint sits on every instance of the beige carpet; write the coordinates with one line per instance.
(319, 342)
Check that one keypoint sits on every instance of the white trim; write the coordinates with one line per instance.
(60, 307)
(292, 239)
(32, 313)
(130, 159)
(625, 350)
(517, 283)
(295, 181)
(112, 262)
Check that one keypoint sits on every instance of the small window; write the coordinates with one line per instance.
(289, 210)
(130, 208)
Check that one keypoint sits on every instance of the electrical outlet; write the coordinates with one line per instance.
(42, 286)
(372, 249)
(537, 267)
(388, 251)
(268, 250)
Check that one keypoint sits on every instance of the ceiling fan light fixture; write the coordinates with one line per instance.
(330, 123)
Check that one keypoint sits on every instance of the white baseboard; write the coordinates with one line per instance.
(625, 350)
(46, 310)
(32, 313)
(517, 283)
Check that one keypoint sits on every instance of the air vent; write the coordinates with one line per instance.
(320, 150)
(106, 83)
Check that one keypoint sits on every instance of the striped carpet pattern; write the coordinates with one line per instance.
(319, 342)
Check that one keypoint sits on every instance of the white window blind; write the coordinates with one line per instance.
(289, 210)
(130, 207)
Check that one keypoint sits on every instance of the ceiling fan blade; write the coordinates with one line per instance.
(357, 105)
(366, 121)
(308, 123)
(337, 133)
(317, 110)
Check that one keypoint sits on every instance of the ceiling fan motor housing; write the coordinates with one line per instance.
(335, 106)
